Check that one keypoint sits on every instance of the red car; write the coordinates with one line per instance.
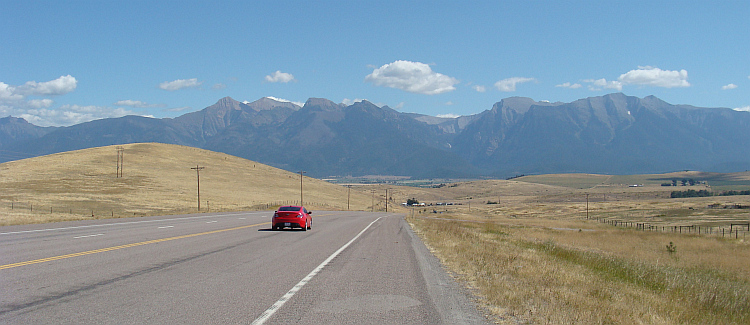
(292, 217)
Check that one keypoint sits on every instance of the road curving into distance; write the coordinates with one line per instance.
(226, 268)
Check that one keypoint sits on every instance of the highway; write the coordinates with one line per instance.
(226, 268)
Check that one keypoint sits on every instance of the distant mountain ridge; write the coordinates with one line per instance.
(611, 134)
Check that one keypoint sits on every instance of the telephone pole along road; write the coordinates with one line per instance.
(351, 268)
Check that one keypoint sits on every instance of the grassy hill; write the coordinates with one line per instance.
(156, 179)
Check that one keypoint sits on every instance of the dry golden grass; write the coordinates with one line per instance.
(613, 276)
(535, 258)
(157, 179)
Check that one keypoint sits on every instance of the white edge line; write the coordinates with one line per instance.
(272, 310)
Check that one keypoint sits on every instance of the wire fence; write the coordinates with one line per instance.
(98, 210)
(733, 230)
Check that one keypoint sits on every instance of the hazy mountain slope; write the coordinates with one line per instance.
(325, 139)
(14, 129)
(104, 132)
(608, 134)
(210, 121)
(611, 134)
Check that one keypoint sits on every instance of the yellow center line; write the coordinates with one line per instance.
(107, 249)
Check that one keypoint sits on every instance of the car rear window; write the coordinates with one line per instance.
(289, 209)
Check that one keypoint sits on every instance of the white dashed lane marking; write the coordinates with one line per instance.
(272, 310)
(87, 236)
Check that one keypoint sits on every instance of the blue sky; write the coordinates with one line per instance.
(66, 62)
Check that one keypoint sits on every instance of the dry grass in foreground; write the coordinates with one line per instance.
(532, 256)
(607, 276)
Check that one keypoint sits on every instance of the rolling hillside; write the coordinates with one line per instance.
(157, 179)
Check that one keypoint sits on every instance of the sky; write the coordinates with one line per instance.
(68, 62)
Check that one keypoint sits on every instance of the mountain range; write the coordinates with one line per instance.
(610, 134)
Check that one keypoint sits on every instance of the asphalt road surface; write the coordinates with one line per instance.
(226, 268)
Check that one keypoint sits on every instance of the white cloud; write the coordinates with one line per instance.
(743, 109)
(13, 102)
(569, 85)
(509, 84)
(598, 84)
(180, 84)
(59, 86)
(279, 76)
(643, 76)
(414, 77)
(729, 86)
(178, 109)
(448, 103)
(348, 102)
(68, 114)
(40, 103)
(128, 102)
(8, 95)
(218, 86)
(449, 115)
(651, 76)
(479, 88)
(136, 103)
(300, 104)
(15, 95)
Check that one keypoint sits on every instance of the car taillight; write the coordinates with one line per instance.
(275, 215)
(301, 215)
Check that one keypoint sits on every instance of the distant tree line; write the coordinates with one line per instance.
(683, 182)
(705, 193)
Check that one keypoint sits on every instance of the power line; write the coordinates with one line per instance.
(198, 172)
(301, 202)
(120, 159)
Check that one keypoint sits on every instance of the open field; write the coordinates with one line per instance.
(557, 249)
(717, 181)
(594, 276)
(534, 257)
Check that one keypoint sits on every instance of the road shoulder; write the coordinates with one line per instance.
(452, 300)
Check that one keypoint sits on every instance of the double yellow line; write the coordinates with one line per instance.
(102, 250)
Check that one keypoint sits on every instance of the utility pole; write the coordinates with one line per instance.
(301, 202)
(198, 172)
(587, 206)
(372, 206)
(348, 196)
(386, 200)
(120, 159)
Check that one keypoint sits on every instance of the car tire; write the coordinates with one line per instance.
(309, 224)
(304, 228)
